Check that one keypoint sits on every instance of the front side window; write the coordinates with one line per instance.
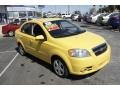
(27, 29)
(62, 28)
(37, 30)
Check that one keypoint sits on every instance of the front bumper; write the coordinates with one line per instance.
(82, 66)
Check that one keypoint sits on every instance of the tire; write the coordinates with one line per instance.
(11, 33)
(21, 50)
(60, 68)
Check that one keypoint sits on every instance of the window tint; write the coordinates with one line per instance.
(62, 28)
(27, 28)
(37, 30)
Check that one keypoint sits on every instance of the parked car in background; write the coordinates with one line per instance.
(88, 18)
(114, 21)
(100, 18)
(10, 28)
(106, 18)
(71, 49)
(65, 15)
(76, 17)
(95, 17)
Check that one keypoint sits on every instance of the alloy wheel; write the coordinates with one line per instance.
(60, 68)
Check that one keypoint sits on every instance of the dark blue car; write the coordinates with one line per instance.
(114, 21)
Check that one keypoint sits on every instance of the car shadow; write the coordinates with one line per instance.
(38, 61)
(80, 77)
(49, 67)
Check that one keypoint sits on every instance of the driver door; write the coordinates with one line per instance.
(39, 47)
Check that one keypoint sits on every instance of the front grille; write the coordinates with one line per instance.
(100, 49)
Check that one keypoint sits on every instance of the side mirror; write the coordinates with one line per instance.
(40, 37)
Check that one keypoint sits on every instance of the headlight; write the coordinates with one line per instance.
(78, 53)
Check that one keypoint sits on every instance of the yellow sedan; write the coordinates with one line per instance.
(64, 45)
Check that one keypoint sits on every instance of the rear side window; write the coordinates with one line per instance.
(27, 29)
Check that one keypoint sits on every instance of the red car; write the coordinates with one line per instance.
(9, 29)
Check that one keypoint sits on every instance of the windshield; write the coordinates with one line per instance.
(62, 28)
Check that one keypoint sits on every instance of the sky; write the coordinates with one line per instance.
(64, 8)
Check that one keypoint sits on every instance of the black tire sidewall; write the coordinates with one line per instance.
(20, 46)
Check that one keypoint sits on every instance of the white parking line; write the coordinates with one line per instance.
(8, 65)
(7, 51)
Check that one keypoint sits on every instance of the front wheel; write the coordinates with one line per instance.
(60, 68)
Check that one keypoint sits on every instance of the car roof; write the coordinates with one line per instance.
(46, 19)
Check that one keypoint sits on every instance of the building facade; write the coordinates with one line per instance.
(21, 11)
(3, 13)
(8, 12)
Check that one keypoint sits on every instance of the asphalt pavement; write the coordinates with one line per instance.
(28, 70)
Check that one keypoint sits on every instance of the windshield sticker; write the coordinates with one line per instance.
(51, 27)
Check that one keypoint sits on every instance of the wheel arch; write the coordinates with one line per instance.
(20, 43)
(64, 60)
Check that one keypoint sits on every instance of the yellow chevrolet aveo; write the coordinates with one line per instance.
(68, 48)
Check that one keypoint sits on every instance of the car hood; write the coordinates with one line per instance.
(86, 40)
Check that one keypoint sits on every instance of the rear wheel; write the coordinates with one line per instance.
(60, 68)
(21, 50)
(11, 33)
